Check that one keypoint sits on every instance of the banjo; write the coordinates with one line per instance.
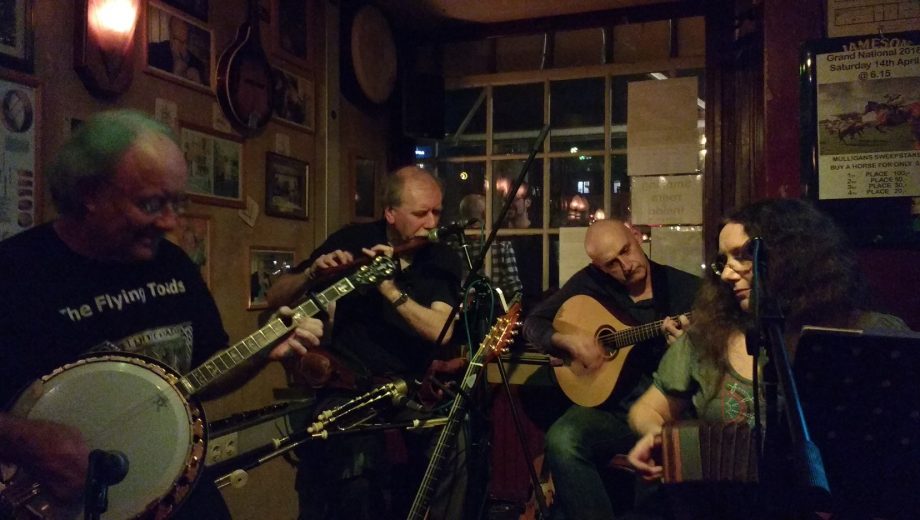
(148, 412)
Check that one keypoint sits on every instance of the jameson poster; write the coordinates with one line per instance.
(868, 118)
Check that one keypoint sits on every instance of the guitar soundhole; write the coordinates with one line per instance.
(606, 336)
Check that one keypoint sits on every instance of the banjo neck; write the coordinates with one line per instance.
(269, 335)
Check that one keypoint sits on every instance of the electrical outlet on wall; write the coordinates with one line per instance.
(221, 449)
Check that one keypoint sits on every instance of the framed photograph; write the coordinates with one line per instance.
(287, 187)
(20, 186)
(196, 8)
(179, 48)
(294, 99)
(16, 35)
(265, 266)
(290, 32)
(365, 189)
(193, 235)
(215, 161)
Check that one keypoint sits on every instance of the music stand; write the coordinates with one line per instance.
(860, 394)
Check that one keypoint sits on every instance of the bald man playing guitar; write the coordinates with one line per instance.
(621, 296)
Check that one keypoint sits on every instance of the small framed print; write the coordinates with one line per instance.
(179, 48)
(265, 266)
(287, 187)
(291, 35)
(196, 8)
(293, 99)
(193, 235)
(365, 189)
(20, 184)
(215, 161)
(16, 35)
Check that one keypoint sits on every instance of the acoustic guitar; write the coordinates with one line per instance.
(586, 316)
(244, 78)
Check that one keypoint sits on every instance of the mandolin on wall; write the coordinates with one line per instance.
(244, 78)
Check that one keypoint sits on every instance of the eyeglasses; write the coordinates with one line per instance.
(156, 205)
(740, 262)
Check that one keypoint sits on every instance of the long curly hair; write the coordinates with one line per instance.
(811, 274)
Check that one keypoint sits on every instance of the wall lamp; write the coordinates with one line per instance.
(104, 47)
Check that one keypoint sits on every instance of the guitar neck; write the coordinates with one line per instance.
(419, 508)
(497, 338)
(614, 340)
(267, 336)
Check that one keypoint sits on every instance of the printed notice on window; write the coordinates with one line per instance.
(868, 119)
(663, 135)
(859, 17)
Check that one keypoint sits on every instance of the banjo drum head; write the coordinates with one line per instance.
(122, 404)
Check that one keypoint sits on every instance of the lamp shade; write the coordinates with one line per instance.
(104, 46)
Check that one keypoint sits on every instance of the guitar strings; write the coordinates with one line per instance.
(614, 339)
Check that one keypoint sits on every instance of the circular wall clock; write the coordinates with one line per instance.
(373, 54)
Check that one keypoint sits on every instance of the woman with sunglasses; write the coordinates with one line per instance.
(707, 373)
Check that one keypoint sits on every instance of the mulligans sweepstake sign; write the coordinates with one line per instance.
(868, 119)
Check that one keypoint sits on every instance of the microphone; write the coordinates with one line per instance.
(405, 402)
(108, 467)
(439, 233)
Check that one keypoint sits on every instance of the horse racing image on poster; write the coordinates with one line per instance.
(868, 118)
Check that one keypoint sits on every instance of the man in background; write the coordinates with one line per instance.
(504, 264)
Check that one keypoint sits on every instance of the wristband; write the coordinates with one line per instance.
(403, 298)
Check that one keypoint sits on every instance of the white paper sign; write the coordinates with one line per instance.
(856, 17)
(167, 112)
(680, 247)
(674, 199)
(661, 132)
(283, 144)
(572, 256)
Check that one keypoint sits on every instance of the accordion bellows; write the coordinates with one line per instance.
(708, 452)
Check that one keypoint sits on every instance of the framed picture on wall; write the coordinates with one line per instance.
(365, 189)
(193, 235)
(215, 174)
(196, 8)
(16, 35)
(20, 186)
(290, 31)
(179, 48)
(287, 187)
(294, 99)
(265, 266)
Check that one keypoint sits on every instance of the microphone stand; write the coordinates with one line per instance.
(471, 278)
(810, 481)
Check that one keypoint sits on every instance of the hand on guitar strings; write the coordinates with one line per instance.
(674, 328)
(307, 333)
(642, 457)
(583, 349)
